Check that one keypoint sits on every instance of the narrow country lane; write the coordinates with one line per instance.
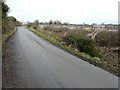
(32, 62)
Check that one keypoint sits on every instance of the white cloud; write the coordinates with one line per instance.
(73, 11)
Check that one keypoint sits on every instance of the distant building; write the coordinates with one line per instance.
(99, 27)
(111, 27)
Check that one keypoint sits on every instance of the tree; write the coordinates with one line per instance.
(51, 22)
(55, 22)
(5, 9)
(36, 24)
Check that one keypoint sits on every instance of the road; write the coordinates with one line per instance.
(32, 62)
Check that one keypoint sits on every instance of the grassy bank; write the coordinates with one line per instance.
(56, 40)
(5, 37)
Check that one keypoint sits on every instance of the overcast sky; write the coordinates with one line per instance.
(73, 11)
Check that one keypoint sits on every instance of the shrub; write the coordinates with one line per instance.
(82, 43)
(87, 46)
(35, 27)
(107, 38)
(71, 39)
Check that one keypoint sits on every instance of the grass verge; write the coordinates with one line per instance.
(6, 37)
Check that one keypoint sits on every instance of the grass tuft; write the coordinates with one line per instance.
(95, 58)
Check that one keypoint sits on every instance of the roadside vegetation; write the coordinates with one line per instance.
(8, 23)
(102, 50)
(8, 28)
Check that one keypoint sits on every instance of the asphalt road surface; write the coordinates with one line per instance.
(32, 62)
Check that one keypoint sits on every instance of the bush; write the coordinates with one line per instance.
(87, 46)
(29, 25)
(82, 43)
(107, 38)
(71, 39)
